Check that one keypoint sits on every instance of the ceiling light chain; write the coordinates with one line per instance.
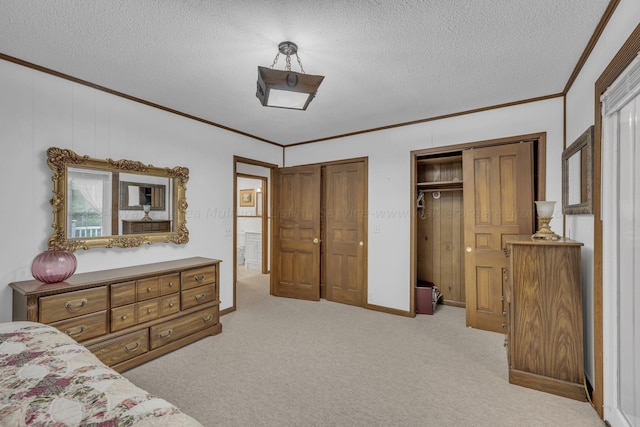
(275, 59)
(288, 66)
(300, 63)
(288, 49)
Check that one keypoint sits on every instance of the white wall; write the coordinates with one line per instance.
(581, 115)
(390, 188)
(38, 111)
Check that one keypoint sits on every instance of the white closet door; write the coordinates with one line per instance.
(621, 249)
(629, 264)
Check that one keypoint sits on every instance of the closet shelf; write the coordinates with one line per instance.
(440, 186)
(439, 160)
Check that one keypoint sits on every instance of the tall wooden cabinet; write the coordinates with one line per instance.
(543, 297)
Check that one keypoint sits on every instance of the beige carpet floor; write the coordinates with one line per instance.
(285, 362)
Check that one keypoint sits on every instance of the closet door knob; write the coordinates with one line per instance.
(316, 240)
(469, 249)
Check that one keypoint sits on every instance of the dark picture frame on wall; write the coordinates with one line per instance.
(577, 175)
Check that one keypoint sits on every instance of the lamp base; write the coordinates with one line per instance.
(146, 209)
(545, 232)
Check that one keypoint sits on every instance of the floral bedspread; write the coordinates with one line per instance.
(47, 379)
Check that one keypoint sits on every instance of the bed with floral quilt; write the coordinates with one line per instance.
(48, 379)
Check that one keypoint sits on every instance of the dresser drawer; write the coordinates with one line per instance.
(170, 284)
(148, 288)
(84, 327)
(197, 296)
(72, 304)
(173, 330)
(123, 294)
(170, 305)
(148, 310)
(119, 349)
(198, 277)
(123, 317)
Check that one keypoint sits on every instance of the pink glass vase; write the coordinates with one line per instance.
(53, 266)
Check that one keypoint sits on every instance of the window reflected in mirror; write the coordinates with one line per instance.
(89, 204)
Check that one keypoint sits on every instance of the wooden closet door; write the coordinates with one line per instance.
(344, 228)
(296, 239)
(498, 201)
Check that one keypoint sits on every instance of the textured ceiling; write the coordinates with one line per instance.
(385, 61)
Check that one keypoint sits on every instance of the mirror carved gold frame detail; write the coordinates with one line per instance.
(59, 160)
(577, 175)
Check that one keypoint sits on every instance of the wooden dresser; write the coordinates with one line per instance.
(143, 227)
(543, 297)
(128, 316)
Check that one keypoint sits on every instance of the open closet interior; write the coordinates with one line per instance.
(440, 225)
(468, 199)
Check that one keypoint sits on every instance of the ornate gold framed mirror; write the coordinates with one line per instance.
(90, 209)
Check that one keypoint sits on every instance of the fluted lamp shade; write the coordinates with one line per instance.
(545, 209)
(286, 89)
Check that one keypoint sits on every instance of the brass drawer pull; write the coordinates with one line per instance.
(200, 297)
(132, 346)
(78, 330)
(148, 290)
(171, 304)
(124, 317)
(170, 284)
(148, 311)
(165, 334)
(76, 304)
(208, 318)
(199, 277)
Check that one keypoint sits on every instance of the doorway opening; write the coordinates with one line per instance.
(251, 222)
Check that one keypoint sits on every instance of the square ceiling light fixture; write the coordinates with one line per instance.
(286, 88)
